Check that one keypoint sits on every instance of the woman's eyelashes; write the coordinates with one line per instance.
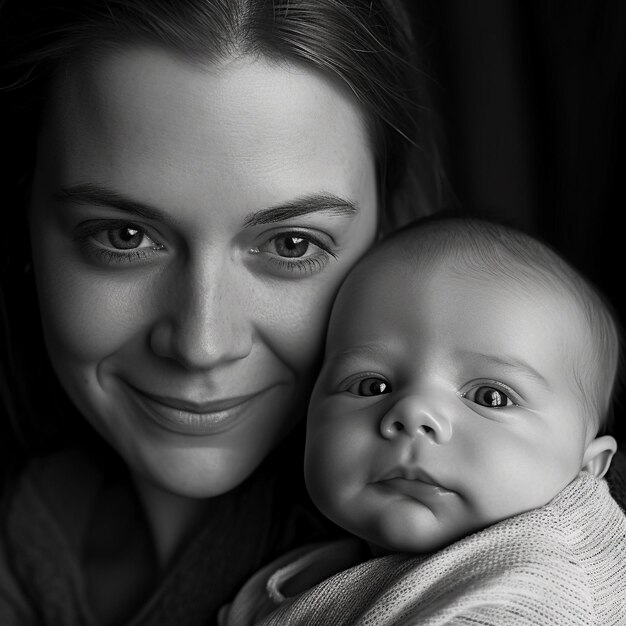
(295, 251)
(491, 394)
(112, 242)
(285, 253)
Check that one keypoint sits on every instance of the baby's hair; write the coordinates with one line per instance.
(478, 247)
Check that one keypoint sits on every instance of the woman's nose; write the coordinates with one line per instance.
(206, 318)
(415, 416)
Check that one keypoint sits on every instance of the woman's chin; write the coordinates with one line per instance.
(195, 473)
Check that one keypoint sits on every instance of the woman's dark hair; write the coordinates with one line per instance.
(365, 44)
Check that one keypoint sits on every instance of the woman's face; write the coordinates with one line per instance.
(190, 226)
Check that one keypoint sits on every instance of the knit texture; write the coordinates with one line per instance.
(562, 564)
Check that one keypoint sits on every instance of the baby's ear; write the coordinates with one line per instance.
(597, 457)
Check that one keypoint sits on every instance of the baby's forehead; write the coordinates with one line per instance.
(417, 265)
(445, 306)
(520, 263)
(406, 276)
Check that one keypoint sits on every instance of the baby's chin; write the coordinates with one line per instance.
(409, 545)
(412, 545)
(391, 534)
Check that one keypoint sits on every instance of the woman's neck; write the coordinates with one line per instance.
(172, 518)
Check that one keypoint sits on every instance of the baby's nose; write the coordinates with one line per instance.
(413, 416)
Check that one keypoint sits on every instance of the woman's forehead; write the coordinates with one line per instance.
(134, 83)
(144, 119)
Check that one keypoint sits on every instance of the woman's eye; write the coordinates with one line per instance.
(291, 246)
(116, 242)
(371, 386)
(125, 237)
(489, 396)
(294, 245)
(298, 252)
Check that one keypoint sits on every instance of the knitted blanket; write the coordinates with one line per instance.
(562, 564)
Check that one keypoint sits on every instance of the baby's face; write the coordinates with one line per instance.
(445, 404)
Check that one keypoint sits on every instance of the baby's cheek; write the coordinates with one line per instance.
(336, 464)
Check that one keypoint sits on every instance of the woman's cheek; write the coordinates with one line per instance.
(87, 316)
(296, 319)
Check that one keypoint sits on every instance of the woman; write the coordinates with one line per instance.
(196, 179)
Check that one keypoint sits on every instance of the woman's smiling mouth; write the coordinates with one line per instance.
(187, 417)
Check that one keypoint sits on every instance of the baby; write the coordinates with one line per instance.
(458, 427)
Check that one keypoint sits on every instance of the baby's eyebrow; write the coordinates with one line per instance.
(508, 363)
(312, 203)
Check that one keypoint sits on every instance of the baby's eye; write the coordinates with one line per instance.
(371, 386)
(489, 396)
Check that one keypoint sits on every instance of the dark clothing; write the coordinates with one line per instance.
(66, 524)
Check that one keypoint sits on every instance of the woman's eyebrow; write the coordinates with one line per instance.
(312, 203)
(88, 193)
